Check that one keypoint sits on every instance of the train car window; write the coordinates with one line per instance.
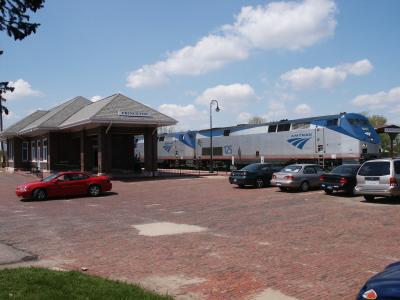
(161, 139)
(217, 150)
(332, 122)
(205, 151)
(272, 128)
(300, 126)
(283, 127)
(227, 132)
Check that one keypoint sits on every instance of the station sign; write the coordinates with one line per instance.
(392, 130)
(133, 114)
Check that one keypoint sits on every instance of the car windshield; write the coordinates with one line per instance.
(291, 169)
(252, 167)
(375, 168)
(345, 169)
(50, 178)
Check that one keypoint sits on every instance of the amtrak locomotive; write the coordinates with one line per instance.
(327, 140)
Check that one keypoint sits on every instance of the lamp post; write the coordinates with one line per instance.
(211, 134)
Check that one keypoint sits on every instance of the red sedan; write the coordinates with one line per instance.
(65, 184)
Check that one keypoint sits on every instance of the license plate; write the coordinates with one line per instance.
(329, 187)
(278, 184)
(235, 180)
(371, 182)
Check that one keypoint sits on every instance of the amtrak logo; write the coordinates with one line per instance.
(298, 142)
(167, 147)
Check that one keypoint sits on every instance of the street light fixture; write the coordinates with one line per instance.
(211, 134)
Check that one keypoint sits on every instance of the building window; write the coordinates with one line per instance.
(24, 151)
(272, 128)
(33, 150)
(44, 149)
(10, 150)
(39, 150)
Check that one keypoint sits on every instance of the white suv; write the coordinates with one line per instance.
(379, 177)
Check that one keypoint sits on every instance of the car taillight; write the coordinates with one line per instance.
(290, 177)
(370, 295)
(393, 181)
(321, 178)
(343, 180)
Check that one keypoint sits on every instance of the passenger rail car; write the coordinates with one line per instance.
(329, 140)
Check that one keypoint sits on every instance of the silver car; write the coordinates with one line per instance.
(379, 177)
(297, 176)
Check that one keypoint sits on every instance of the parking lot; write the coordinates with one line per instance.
(202, 238)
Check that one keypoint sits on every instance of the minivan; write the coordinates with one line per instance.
(379, 177)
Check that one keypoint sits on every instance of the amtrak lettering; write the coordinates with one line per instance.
(298, 140)
(168, 146)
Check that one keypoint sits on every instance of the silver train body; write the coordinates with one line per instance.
(330, 139)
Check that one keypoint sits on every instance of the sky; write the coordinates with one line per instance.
(272, 59)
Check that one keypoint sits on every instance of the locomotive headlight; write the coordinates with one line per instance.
(364, 145)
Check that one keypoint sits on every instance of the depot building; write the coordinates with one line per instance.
(84, 135)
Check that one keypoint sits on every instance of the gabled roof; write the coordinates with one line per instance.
(57, 115)
(15, 128)
(118, 109)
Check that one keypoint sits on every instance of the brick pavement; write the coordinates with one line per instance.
(305, 245)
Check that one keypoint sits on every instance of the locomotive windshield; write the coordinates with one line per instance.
(358, 122)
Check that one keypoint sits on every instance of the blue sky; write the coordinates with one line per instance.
(275, 59)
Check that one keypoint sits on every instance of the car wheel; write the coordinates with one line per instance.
(259, 182)
(94, 190)
(283, 189)
(304, 186)
(328, 192)
(39, 194)
(369, 198)
(350, 192)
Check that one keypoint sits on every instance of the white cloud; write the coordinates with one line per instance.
(188, 116)
(317, 77)
(231, 97)
(276, 111)
(286, 25)
(302, 109)
(244, 117)
(381, 99)
(22, 89)
(178, 111)
(96, 98)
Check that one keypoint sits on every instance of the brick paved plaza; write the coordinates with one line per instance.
(250, 243)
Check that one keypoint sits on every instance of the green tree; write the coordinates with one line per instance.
(257, 120)
(379, 121)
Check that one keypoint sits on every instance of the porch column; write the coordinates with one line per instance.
(84, 146)
(150, 150)
(101, 151)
